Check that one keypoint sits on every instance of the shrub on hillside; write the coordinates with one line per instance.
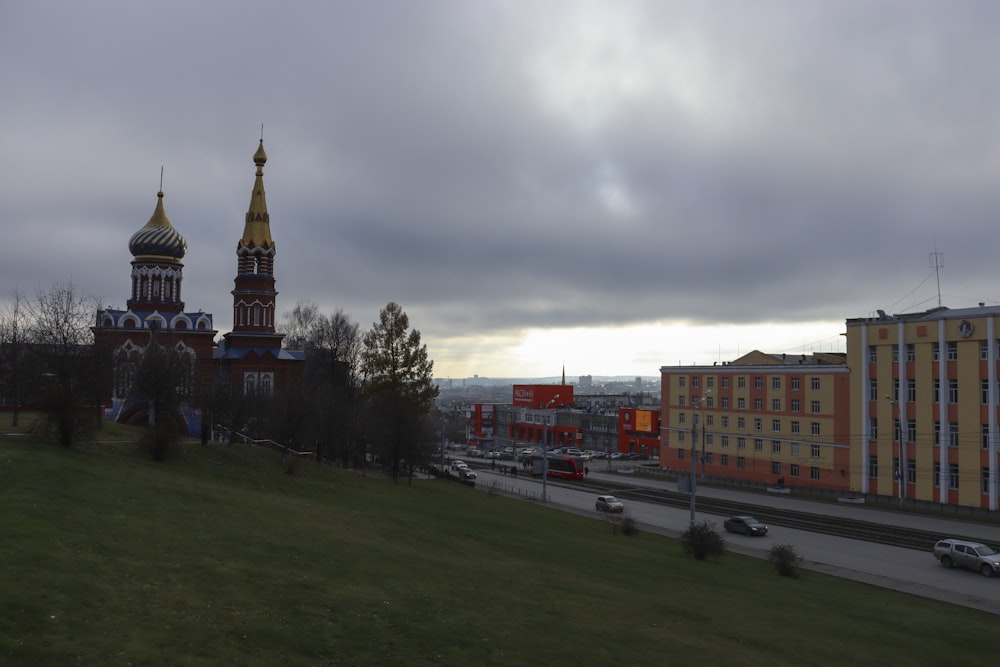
(701, 541)
(625, 523)
(785, 560)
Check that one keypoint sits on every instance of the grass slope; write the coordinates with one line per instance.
(219, 557)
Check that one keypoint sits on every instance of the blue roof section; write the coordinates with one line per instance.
(238, 352)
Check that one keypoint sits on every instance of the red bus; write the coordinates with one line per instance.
(561, 466)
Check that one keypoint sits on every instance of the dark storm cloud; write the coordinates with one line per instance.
(498, 166)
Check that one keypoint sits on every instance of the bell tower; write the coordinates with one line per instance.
(254, 296)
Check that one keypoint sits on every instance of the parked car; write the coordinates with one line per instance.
(747, 525)
(609, 504)
(467, 474)
(455, 465)
(574, 451)
(971, 555)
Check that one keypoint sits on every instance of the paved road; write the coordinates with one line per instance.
(905, 570)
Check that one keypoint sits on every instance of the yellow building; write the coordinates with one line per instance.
(761, 418)
(924, 391)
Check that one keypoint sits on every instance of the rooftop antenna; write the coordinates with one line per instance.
(936, 259)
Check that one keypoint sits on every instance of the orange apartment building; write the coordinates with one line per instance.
(762, 418)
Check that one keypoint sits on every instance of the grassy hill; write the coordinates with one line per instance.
(223, 556)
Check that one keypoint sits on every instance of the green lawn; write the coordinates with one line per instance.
(219, 557)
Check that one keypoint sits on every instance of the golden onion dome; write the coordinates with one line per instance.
(158, 238)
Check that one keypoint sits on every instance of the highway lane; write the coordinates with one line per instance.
(905, 570)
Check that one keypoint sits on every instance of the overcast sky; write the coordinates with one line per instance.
(608, 187)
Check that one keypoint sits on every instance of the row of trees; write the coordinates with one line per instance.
(362, 395)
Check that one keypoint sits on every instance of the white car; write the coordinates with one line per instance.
(457, 465)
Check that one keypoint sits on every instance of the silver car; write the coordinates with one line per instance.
(609, 504)
(971, 555)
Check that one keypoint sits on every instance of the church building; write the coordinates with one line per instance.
(249, 357)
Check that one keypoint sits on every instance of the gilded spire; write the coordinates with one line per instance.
(257, 230)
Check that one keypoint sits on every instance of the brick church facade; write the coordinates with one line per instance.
(249, 358)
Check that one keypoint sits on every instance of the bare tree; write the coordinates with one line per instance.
(164, 380)
(14, 341)
(398, 383)
(300, 324)
(61, 335)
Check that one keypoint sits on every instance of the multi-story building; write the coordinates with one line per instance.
(764, 418)
(924, 390)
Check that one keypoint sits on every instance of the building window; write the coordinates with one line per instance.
(709, 420)
(741, 423)
(741, 382)
(725, 421)
(814, 449)
(814, 383)
(935, 351)
(937, 390)
(814, 427)
(776, 382)
(724, 402)
(741, 404)
(695, 382)
(814, 407)
(758, 404)
(795, 426)
(775, 468)
(953, 476)
(953, 391)
(953, 351)
(984, 475)
(795, 449)
(758, 382)
(984, 392)
(682, 382)
(937, 475)
(682, 400)
(911, 430)
(758, 445)
(911, 471)
(682, 418)
(725, 442)
(775, 446)
(873, 428)
(873, 389)
(984, 350)
(741, 463)
(793, 470)
(710, 382)
(872, 354)
(709, 441)
(895, 354)
(814, 473)
(984, 435)
(724, 459)
(758, 424)
(911, 390)
(953, 434)
(776, 425)
(795, 405)
(775, 405)
(873, 467)
(725, 382)
(741, 443)
(937, 433)
(911, 352)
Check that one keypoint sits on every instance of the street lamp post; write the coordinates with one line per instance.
(545, 449)
(694, 452)
(901, 469)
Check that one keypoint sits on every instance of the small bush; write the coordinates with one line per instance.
(785, 560)
(701, 541)
(623, 522)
